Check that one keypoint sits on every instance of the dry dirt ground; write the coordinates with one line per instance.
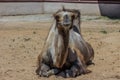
(22, 42)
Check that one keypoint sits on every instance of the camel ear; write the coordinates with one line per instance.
(73, 15)
(56, 16)
(63, 8)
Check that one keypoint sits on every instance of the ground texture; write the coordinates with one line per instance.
(21, 43)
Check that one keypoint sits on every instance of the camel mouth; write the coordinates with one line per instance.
(67, 24)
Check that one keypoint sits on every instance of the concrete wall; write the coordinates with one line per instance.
(86, 9)
(36, 8)
(15, 8)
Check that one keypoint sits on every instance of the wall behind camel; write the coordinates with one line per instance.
(18, 8)
(86, 9)
(15, 8)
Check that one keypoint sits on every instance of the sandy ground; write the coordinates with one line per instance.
(21, 43)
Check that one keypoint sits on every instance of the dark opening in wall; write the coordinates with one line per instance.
(109, 8)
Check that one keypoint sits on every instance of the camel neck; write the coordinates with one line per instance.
(63, 48)
(65, 37)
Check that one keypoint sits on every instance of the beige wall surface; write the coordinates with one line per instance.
(17, 8)
(36, 8)
(86, 9)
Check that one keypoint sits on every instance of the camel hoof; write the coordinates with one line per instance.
(62, 74)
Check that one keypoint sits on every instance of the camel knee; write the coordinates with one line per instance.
(42, 70)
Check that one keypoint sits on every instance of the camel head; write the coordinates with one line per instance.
(64, 19)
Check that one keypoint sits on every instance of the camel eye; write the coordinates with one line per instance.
(73, 16)
(57, 17)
